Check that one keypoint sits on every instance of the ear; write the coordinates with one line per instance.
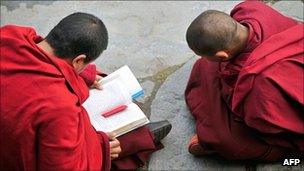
(222, 55)
(79, 62)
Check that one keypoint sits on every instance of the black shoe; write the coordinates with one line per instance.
(160, 129)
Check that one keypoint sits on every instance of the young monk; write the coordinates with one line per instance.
(43, 125)
(246, 92)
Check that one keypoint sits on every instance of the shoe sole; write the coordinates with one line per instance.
(162, 132)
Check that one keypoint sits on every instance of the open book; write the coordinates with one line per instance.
(119, 88)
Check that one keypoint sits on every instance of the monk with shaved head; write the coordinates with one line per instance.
(44, 82)
(246, 90)
(212, 32)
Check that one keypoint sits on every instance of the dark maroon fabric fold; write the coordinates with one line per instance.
(137, 147)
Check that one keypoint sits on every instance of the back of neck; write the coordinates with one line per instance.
(46, 47)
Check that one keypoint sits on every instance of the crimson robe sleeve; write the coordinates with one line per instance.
(198, 91)
(67, 140)
(275, 103)
(89, 74)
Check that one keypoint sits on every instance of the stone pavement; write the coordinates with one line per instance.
(150, 38)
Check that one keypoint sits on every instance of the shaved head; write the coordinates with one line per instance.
(210, 32)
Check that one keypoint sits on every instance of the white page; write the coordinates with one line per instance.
(121, 119)
(128, 120)
(101, 123)
(128, 78)
(129, 115)
(113, 94)
(109, 124)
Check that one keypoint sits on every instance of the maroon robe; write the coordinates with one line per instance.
(137, 145)
(251, 107)
(42, 124)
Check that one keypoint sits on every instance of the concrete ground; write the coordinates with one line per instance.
(150, 38)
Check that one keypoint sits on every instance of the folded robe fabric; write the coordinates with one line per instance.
(89, 74)
(250, 108)
(137, 145)
(43, 125)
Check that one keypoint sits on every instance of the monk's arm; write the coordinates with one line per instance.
(275, 102)
(92, 75)
(88, 74)
(62, 141)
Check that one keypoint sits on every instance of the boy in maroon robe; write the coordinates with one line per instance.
(246, 92)
(43, 125)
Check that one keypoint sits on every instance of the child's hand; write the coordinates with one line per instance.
(115, 148)
(96, 83)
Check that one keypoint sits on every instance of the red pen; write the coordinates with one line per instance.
(114, 110)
